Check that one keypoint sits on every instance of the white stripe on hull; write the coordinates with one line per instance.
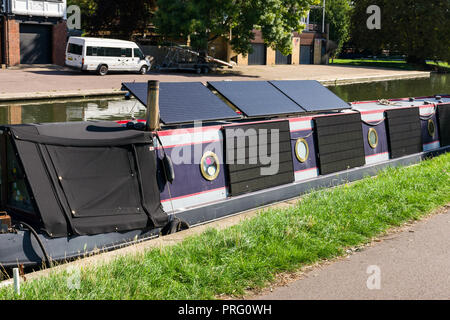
(301, 125)
(306, 174)
(380, 157)
(369, 117)
(194, 200)
(184, 137)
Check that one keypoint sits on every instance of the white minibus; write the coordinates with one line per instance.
(103, 55)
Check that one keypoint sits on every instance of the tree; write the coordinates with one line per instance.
(202, 21)
(417, 28)
(337, 15)
(120, 18)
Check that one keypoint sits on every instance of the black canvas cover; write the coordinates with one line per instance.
(243, 145)
(444, 124)
(404, 131)
(340, 142)
(90, 177)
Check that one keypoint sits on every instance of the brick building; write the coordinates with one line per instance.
(309, 47)
(32, 32)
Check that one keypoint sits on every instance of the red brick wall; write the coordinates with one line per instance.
(59, 41)
(258, 37)
(12, 43)
(11, 31)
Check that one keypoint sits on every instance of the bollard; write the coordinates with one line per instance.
(16, 277)
(152, 115)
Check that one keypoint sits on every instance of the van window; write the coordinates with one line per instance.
(138, 53)
(126, 52)
(75, 49)
(108, 52)
(113, 52)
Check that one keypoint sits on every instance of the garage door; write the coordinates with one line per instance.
(35, 44)
(282, 59)
(258, 56)
(305, 54)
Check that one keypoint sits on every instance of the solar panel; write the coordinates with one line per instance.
(310, 95)
(183, 102)
(256, 98)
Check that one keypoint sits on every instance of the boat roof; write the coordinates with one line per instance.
(400, 103)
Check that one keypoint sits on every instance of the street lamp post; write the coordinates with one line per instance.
(323, 19)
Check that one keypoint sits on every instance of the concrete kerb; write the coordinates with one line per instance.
(60, 95)
(345, 81)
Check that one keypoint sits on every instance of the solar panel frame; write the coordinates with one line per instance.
(184, 102)
(256, 98)
(311, 95)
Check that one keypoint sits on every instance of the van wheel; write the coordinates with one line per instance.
(143, 70)
(103, 70)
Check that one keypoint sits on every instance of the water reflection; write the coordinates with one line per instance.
(437, 84)
(109, 109)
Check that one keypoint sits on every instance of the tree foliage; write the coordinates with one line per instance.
(204, 20)
(337, 15)
(418, 28)
(119, 18)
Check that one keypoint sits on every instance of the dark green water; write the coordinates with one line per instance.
(71, 110)
(115, 108)
(437, 84)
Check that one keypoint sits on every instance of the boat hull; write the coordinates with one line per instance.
(21, 248)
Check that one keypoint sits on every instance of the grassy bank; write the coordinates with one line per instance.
(391, 64)
(249, 255)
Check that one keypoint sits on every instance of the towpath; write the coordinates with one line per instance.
(412, 264)
(52, 81)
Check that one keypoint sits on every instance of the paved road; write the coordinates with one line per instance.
(32, 80)
(414, 264)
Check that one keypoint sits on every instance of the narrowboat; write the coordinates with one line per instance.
(204, 152)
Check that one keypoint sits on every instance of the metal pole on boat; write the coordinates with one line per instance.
(16, 277)
(152, 116)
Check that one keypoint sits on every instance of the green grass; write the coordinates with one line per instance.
(441, 65)
(249, 255)
(391, 64)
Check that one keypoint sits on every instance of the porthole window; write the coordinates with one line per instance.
(302, 150)
(372, 137)
(209, 166)
(431, 128)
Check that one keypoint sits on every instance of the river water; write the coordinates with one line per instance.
(118, 108)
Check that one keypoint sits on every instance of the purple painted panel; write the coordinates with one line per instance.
(188, 177)
(382, 146)
(426, 137)
(312, 159)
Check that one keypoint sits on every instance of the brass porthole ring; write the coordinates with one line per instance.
(209, 166)
(301, 150)
(372, 137)
(431, 128)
